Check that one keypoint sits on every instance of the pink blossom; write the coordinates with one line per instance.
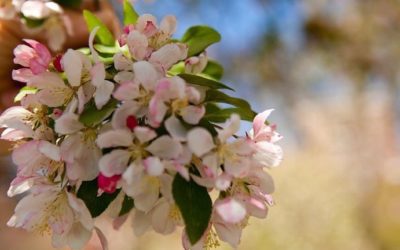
(35, 57)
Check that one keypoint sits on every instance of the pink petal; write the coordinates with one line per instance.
(22, 75)
(259, 121)
(230, 210)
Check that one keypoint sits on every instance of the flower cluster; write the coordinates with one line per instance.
(136, 128)
(37, 16)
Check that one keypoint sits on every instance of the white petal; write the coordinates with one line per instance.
(50, 150)
(193, 114)
(141, 222)
(146, 74)
(229, 233)
(200, 141)
(229, 128)
(137, 44)
(47, 80)
(68, 123)
(73, 66)
(115, 138)
(168, 25)
(103, 93)
(81, 211)
(98, 74)
(165, 147)
(127, 109)
(175, 128)
(121, 62)
(127, 91)
(161, 221)
(168, 55)
(237, 166)
(153, 166)
(144, 134)
(114, 163)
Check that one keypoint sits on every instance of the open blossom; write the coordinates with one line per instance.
(115, 129)
(78, 149)
(55, 210)
(268, 153)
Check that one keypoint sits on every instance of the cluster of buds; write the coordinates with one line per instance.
(136, 129)
(37, 16)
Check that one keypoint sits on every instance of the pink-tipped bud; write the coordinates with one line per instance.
(57, 113)
(108, 184)
(131, 122)
(57, 63)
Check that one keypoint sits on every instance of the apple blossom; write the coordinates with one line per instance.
(137, 129)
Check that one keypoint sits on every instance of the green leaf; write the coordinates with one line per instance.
(103, 35)
(70, 3)
(32, 23)
(96, 205)
(130, 15)
(202, 81)
(214, 70)
(224, 114)
(213, 95)
(91, 116)
(177, 69)
(198, 38)
(23, 92)
(195, 205)
(106, 49)
(127, 205)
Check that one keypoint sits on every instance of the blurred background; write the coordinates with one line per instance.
(330, 70)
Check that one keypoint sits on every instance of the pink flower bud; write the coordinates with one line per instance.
(108, 184)
(57, 63)
(131, 122)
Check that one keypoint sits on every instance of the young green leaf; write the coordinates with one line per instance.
(91, 116)
(198, 38)
(202, 81)
(213, 95)
(23, 92)
(130, 15)
(103, 35)
(106, 49)
(195, 205)
(224, 114)
(177, 69)
(96, 205)
(214, 70)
